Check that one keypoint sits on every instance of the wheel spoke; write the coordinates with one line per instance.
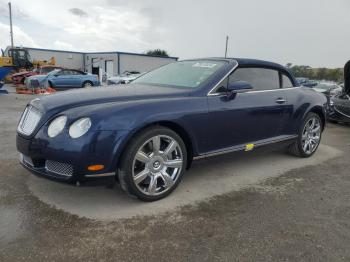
(316, 129)
(176, 163)
(304, 136)
(312, 125)
(142, 157)
(152, 185)
(315, 140)
(306, 146)
(141, 176)
(311, 146)
(156, 144)
(168, 181)
(170, 148)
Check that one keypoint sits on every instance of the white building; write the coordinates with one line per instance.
(113, 63)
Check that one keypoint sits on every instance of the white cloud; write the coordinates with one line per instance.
(298, 31)
(101, 28)
(20, 37)
(63, 46)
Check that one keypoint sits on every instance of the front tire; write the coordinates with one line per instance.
(153, 164)
(309, 137)
(87, 84)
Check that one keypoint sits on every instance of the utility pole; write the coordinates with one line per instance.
(11, 31)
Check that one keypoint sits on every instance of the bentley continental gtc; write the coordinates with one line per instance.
(146, 135)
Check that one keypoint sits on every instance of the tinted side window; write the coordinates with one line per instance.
(286, 82)
(259, 78)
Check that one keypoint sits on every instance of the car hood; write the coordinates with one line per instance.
(38, 77)
(22, 73)
(97, 95)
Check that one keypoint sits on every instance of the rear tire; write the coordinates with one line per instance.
(309, 137)
(153, 164)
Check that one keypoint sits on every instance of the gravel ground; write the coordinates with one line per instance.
(282, 211)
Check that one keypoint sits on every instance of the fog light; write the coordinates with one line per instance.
(95, 167)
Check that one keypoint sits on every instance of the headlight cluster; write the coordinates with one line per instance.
(77, 129)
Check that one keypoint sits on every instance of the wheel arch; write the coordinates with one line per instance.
(320, 112)
(50, 83)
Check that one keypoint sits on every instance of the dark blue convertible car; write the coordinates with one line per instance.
(147, 134)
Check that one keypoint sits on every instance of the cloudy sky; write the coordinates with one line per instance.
(312, 32)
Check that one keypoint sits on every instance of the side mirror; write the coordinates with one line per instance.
(239, 87)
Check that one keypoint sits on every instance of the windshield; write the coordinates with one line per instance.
(54, 72)
(187, 74)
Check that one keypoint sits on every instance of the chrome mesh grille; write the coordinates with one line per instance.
(58, 168)
(29, 121)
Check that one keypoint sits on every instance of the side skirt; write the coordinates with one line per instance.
(243, 147)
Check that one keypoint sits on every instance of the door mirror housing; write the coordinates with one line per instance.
(239, 87)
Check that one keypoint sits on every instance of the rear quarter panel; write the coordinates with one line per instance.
(301, 101)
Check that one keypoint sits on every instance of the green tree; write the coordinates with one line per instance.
(335, 75)
(157, 52)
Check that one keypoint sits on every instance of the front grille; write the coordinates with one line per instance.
(343, 110)
(29, 120)
(58, 168)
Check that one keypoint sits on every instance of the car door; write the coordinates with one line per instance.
(251, 117)
(76, 78)
(60, 79)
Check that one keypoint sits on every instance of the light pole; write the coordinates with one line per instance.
(226, 46)
(11, 31)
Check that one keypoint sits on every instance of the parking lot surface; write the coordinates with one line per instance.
(258, 206)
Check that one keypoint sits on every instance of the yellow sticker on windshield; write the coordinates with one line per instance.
(249, 147)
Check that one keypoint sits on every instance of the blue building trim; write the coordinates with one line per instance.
(127, 53)
(53, 50)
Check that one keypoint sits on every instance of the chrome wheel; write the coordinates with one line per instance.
(311, 135)
(157, 165)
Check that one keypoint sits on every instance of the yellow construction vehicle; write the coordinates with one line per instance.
(18, 58)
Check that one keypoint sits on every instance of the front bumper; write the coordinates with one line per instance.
(67, 159)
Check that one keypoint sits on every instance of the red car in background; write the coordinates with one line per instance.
(19, 78)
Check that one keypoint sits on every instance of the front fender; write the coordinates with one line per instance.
(188, 113)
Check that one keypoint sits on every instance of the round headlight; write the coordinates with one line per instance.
(56, 126)
(79, 127)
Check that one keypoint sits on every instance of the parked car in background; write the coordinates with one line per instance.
(124, 78)
(19, 78)
(303, 81)
(328, 89)
(64, 79)
(146, 135)
(339, 107)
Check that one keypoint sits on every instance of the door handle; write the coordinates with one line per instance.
(280, 100)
